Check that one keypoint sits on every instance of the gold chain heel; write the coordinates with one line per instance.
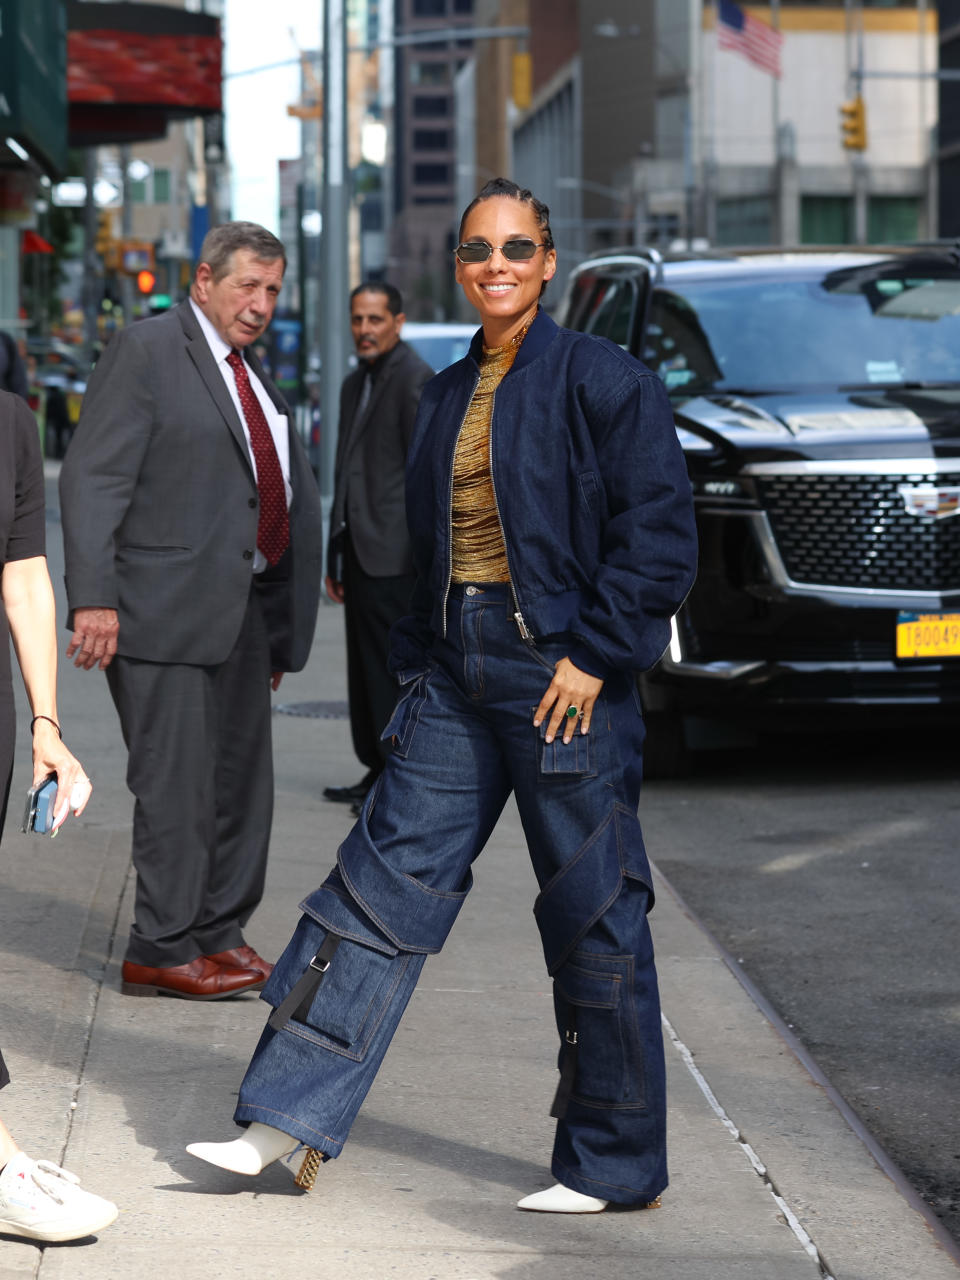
(307, 1176)
(654, 1204)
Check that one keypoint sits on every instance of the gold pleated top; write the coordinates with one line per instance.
(478, 550)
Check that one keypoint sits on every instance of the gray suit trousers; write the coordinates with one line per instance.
(201, 771)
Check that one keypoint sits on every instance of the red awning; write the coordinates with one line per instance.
(32, 243)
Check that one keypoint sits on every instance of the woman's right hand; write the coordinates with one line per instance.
(51, 756)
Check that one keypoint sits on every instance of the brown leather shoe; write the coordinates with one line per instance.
(244, 958)
(201, 979)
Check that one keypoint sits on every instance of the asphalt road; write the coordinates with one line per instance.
(829, 867)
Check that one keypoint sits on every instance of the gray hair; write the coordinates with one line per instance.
(222, 242)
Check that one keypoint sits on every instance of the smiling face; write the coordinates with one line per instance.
(506, 294)
(240, 304)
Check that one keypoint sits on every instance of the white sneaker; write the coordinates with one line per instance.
(41, 1201)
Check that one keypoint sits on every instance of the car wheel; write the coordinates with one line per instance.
(665, 750)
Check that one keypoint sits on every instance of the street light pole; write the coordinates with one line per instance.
(334, 279)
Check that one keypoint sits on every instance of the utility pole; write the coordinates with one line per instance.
(334, 267)
(90, 287)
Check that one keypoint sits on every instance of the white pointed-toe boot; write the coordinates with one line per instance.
(560, 1199)
(258, 1146)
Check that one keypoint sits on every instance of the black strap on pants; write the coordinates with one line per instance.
(568, 1067)
(300, 997)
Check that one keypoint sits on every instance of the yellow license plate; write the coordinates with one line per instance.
(928, 635)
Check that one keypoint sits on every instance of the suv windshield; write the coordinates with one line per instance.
(877, 326)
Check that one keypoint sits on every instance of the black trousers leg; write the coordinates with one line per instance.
(372, 606)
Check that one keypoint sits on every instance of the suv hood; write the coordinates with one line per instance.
(887, 420)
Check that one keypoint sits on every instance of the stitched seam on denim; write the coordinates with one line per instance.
(382, 924)
(480, 654)
(598, 1182)
(256, 1106)
(591, 839)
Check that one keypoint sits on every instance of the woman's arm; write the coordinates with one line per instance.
(28, 601)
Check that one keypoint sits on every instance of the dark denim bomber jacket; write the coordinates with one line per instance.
(592, 491)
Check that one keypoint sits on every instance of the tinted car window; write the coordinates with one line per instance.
(845, 329)
(612, 312)
(441, 351)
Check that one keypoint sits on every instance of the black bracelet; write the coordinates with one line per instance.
(49, 721)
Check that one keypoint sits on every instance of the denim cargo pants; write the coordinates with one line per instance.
(464, 738)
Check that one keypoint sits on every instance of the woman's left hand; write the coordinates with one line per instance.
(51, 756)
(570, 687)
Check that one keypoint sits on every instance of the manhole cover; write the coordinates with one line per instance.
(314, 710)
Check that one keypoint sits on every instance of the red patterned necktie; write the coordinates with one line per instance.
(273, 528)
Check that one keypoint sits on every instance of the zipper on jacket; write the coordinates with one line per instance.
(526, 635)
(446, 590)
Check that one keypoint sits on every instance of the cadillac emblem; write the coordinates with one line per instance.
(930, 500)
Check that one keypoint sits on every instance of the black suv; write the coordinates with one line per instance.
(817, 399)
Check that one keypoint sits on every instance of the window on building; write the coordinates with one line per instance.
(429, 8)
(431, 200)
(425, 108)
(431, 139)
(431, 175)
(161, 186)
(463, 6)
(891, 219)
(826, 220)
(745, 221)
(137, 191)
(429, 73)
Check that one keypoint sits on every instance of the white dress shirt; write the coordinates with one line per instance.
(276, 421)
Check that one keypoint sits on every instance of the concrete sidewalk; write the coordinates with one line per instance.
(769, 1181)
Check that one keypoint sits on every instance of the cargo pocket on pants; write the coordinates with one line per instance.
(593, 998)
(353, 995)
(563, 759)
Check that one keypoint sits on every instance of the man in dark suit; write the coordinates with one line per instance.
(370, 563)
(192, 533)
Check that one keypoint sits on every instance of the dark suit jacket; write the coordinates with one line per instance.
(159, 505)
(369, 496)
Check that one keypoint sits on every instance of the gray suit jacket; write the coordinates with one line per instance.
(369, 497)
(159, 505)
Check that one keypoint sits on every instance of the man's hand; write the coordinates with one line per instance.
(94, 639)
(334, 590)
(275, 679)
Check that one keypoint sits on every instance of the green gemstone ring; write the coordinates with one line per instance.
(572, 712)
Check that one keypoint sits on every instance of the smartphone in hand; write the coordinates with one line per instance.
(38, 812)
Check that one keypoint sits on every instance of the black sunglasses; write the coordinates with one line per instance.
(513, 250)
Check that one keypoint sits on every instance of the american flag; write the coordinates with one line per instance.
(746, 34)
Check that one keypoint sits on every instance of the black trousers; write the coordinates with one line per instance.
(201, 770)
(371, 607)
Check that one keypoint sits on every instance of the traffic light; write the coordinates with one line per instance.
(145, 281)
(853, 124)
(522, 81)
(105, 244)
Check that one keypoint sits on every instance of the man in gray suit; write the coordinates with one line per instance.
(370, 562)
(192, 533)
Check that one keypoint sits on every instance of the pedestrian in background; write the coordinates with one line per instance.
(13, 370)
(370, 562)
(553, 535)
(38, 1199)
(192, 533)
